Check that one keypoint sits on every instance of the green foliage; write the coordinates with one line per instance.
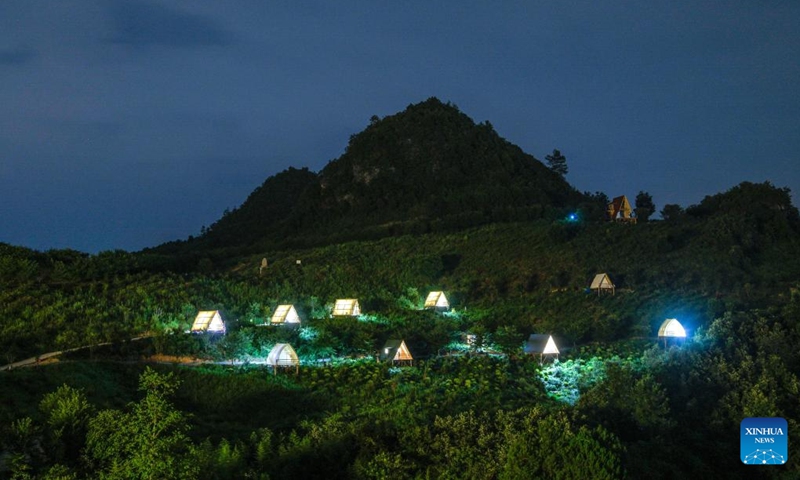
(66, 413)
(565, 380)
(727, 267)
(148, 441)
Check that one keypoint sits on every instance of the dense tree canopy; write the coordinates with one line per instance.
(615, 404)
(644, 206)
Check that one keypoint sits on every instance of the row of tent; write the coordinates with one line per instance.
(396, 351)
(211, 321)
(283, 355)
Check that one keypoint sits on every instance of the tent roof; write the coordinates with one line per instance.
(346, 306)
(282, 354)
(621, 206)
(208, 320)
(601, 280)
(436, 299)
(285, 313)
(671, 327)
(541, 343)
(395, 350)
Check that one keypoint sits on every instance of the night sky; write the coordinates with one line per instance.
(127, 124)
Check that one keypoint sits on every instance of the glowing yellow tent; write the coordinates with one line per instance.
(601, 283)
(437, 301)
(619, 210)
(346, 307)
(539, 344)
(208, 321)
(285, 315)
(396, 351)
(283, 355)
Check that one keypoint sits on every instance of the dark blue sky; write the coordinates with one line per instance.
(127, 124)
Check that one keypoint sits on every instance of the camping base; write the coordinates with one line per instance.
(275, 368)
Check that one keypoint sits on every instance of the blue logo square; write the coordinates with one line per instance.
(764, 441)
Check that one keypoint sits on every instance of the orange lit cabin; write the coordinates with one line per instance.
(620, 210)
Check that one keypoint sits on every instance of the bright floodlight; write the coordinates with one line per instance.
(671, 328)
(550, 347)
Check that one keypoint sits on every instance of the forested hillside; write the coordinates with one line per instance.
(427, 168)
(422, 200)
(726, 267)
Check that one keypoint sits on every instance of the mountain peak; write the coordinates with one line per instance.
(429, 166)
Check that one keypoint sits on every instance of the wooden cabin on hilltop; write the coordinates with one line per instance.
(620, 210)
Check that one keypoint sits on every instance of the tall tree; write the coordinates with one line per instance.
(644, 206)
(557, 162)
(150, 440)
(672, 212)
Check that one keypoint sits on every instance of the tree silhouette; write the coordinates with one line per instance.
(644, 206)
(557, 162)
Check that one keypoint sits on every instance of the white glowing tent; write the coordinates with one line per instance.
(208, 321)
(396, 351)
(346, 307)
(541, 344)
(285, 314)
(601, 283)
(283, 355)
(437, 301)
(671, 328)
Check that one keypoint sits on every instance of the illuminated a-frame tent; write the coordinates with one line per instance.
(619, 210)
(541, 344)
(396, 351)
(285, 315)
(602, 283)
(208, 321)
(437, 301)
(346, 307)
(671, 328)
(283, 355)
